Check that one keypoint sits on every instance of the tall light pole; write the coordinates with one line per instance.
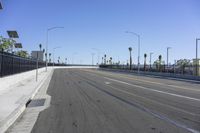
(54, 53)
(48, 30)
(73, 57)
(197, 62)
(168, 48)
(150, 58)
(98, 54)
(138, 36)
(92, 58)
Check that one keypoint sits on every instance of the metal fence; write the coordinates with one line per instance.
(12, 64)
(176, 69)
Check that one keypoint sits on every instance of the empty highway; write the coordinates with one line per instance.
(94, 101)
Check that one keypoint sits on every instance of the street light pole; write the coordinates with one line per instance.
(93, 59)
(138, 36)
(98, 54)
(54, 53)
(197, 63)
(48, 30)
(168, 57)
(150, 59)
(73, 57)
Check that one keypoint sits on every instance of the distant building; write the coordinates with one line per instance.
(39, 53)
(196, 63)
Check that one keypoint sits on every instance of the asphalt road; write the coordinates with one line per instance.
(93, 101)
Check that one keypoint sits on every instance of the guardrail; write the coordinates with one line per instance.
(13, 64)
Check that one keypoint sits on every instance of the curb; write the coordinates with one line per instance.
(9, 121)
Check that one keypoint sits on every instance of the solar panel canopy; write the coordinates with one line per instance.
(13, 34)
(18, 45)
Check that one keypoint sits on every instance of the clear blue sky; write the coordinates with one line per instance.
(102, 24)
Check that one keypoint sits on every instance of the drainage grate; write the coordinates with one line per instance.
(36, 103)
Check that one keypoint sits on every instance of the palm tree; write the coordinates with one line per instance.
(160, 59)
(110, 60)
(145, 59)
(58, 59)
(49, 57)
(130, 49)
(40, 47)
(66, 61)
(105, 59)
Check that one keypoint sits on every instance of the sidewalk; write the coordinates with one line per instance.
(16, 91)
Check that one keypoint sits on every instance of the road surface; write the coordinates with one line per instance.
(94, 101)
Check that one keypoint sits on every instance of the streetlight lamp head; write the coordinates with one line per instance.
(18, 45)
(57, 27)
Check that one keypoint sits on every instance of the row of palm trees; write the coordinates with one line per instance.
(105, 61)
(40, 46)
(145, 60)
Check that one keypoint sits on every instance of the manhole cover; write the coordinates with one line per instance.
(36, 103)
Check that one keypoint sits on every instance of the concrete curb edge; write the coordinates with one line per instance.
(19, 111)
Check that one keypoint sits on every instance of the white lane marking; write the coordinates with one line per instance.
(149, 89)
(174, 86)
(107, 83)
(162, 117)
(169, 106)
